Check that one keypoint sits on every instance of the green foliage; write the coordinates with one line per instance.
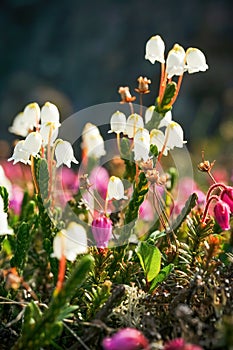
(42, 176)
(4, 195)
(189, 205)
(162, 275)
(126, 154)
(164, 106)
(40, 329)
(23, 240)
(140, 190)
(150, 259)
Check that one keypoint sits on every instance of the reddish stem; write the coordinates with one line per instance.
(215, 185)
(61, 274)
(214, 197)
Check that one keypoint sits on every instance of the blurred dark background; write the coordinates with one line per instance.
(77, 53)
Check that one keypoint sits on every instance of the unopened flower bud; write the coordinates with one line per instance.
(222, 214)
(127, 339)
(102, 231)
(227, 197)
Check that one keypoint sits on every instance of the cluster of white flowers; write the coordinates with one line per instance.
(133, 127)
(178, 61)
(46, 122)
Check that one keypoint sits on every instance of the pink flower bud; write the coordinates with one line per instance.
(179, 344)
(102, 230)
(127, 339)
(222, 214)
(227, 197)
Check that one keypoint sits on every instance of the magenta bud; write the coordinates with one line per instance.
(222, 214)
(179, 344)
(127, 339)
(102, 230)
(227, 197)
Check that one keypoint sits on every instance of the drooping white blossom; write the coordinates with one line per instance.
(64, 153)
(148, 114)
(93, 143)
(115, 189)
(117, 122)
(166, 120)
(155, 48)
(157, 138)
(4, 181)
(50, 114)
(45, 131)
(31, 115)
(141, 145)
(4, 228)
(196, 61)
(20, 155)
(175, 135)
(19, 126)
(133, 122)
(32, 143)
(70, 242)
(175, 63)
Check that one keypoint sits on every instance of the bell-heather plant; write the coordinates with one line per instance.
(107, 254)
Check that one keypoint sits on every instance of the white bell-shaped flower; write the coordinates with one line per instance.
(31, 115)
(93, 143)
(175, 63)
(155, 48)
(166, 120)
(70, 242)
(19, 126)
(50, 114)
(4, 181)
(33, 143)
(64, 153)
(148, 114)
(115, 189)
(133, 122)
(45, 131)
(196, 61)
(175, 135)
(141, 145)
(157, 138)
(20, 155)
(117, 122)
(4, 228)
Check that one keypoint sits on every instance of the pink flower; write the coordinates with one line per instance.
(102, 230)
(179, 344)
(222, 214)
(146, 211)
(227, 197)
(16, 200)
(126, 339)
(99, 179)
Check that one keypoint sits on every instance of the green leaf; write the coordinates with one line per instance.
(189, 205)
(163, 274)
(164, 106)
(22, 245)
(150, 259)
(67, 312)
(4, 195)
(155, 120)
(42, 176)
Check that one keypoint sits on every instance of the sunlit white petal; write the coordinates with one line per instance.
(64, 154)
(155, 48)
